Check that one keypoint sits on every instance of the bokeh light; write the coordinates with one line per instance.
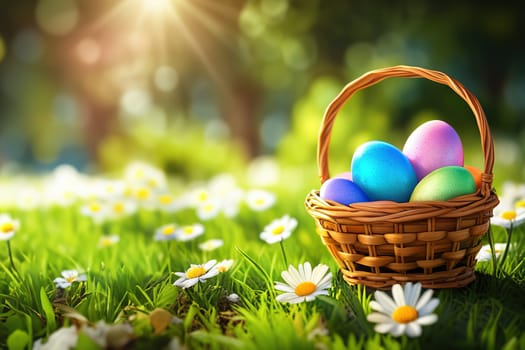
(166, 78)
(88, 50)
(57, 17)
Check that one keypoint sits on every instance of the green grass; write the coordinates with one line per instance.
(129, 280)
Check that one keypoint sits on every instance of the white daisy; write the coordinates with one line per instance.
(109, 189)
(119, 208)
(224, 265)
(485, 254)
(196, 273)
(166, 232)
(96, 210)
(60, 194)
(108, 241)
(211, 244)
(189, 232)
(198, 196)
(143, 195)
(259, 200)
(405, 313)
(168, 203)
(208, 209)
(509, 215)
(143, 174)
(279, 229)
(8, 227)
(69, 277)
(304, 284)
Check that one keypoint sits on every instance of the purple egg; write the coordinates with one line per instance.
(342, 191)
(433, 145)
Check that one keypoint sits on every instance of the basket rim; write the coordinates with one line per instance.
(389, 211)
(375, 76)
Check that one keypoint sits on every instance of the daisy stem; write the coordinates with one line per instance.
(493, 252)
(284, 254)
(11, 256)
(168, 255)
(509, 236)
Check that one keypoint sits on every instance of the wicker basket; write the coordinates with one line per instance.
(381, 243)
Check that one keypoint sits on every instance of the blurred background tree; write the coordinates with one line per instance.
(200, 86)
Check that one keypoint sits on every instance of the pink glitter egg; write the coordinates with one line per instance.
(432, 145)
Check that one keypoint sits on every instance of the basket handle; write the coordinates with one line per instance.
(374, 77)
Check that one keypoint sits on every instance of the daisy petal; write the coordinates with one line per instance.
(427, 320)
(284, 287)
(415, 291)
(429, 307)
(424, 299)
(307, 271)
(377, 317)
(374, 305)
(398, 330)
(384, 327)
(318, 273)
(287, 277)
(398, 294)
(413, 330)
(291, 298)
(388, 304)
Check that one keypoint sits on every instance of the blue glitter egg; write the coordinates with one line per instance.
(383, 172)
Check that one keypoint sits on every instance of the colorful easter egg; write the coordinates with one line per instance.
(342, 191)
(383, 172)
(443, 184)
(476, 174)
(432, 145)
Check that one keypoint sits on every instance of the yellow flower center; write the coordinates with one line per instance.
(142, 193)
(165, 199)
(305, 288)
(259, 201)
(208, 208)
(71, 279)
(405, 314)
(95, 207)
(222, 268)
(194, 272)
(168, 230)
(509, 215)
(278, 230)
(118, 208)
(106, 242)
(7, 227)
(188, 230)
(520, 203)
(202, 196)
(153, 183)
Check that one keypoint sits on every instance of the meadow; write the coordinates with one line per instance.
(110, 262)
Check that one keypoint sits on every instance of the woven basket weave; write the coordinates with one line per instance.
(381, 243)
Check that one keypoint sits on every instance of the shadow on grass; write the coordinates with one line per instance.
(487, 314)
